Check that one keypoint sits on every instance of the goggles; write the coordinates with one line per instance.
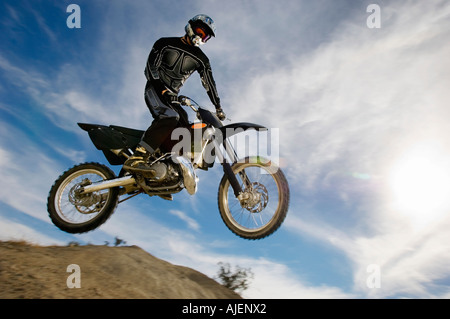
(205, 36)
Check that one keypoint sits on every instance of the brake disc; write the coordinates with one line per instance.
(84, 203)
(256, 198)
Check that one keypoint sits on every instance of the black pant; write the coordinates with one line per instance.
(166, 118)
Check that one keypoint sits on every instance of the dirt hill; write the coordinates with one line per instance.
(28, 271)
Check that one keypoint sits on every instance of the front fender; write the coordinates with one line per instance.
(235, 128)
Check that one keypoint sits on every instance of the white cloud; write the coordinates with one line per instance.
(276, 281)
(191, 223)
(11, 230)
(26, 172)
(410, 261)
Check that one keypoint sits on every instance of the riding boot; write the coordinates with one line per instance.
(138, 162)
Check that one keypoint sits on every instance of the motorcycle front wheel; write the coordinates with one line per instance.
(265, 203)
(74, 212)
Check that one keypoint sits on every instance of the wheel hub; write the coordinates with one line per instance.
(84, 203)
(255, 198)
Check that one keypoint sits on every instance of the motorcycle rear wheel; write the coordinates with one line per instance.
(269, 189)
(76, 213)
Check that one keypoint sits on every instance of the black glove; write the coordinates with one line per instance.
(220, 113)
(182, 99)
(171, 97)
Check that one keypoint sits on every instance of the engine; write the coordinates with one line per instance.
(165, 173)
(171, 176)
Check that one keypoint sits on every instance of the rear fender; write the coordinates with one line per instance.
(112, 137)
(107, 138)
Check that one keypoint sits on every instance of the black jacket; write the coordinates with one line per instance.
(171, 62)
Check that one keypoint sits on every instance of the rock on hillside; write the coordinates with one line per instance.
(28, 271)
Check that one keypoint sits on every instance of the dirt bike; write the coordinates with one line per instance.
(253, 196)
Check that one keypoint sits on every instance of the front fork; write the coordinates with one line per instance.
(237, 189)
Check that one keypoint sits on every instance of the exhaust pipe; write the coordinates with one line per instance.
(122, 181)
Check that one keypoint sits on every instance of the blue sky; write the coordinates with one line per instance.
(362, 118)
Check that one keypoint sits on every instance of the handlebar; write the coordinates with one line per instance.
(184, 100)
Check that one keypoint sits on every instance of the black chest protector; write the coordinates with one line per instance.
(176, 67)
(171, 62)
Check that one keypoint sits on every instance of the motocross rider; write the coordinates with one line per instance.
(170, 63)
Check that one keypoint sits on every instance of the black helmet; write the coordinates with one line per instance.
(200, 29)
